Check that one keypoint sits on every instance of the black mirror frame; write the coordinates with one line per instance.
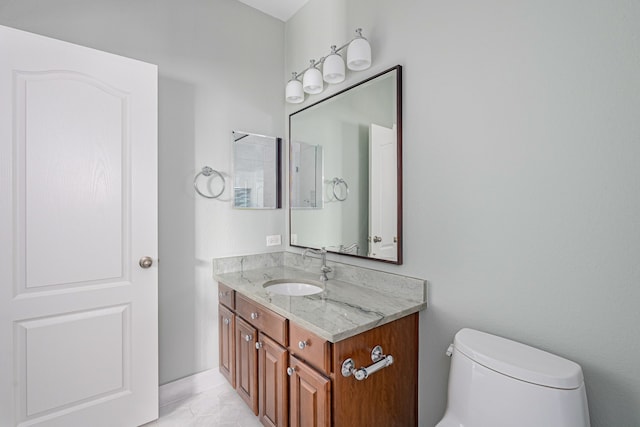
(398, 69)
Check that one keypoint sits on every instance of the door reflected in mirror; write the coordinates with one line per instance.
(256, 181)
(346, 171)
(306, 171)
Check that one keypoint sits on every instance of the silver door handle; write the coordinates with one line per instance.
(145, 262)
(377, 239)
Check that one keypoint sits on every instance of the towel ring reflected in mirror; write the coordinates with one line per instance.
(337, 182)
(207, 171)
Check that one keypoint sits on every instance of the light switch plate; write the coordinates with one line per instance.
(274, 240)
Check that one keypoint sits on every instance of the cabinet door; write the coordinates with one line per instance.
(272, 383)
(246, 364)
(310, 396)
(226, 326)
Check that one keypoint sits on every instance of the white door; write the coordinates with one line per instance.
(383, 187)
(78, 209)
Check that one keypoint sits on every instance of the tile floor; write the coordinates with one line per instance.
(218, 407)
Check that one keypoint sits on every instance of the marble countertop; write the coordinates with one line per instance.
(341, 311)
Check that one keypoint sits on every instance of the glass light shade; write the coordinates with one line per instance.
(312, 81)
(293, 92)
(359, 55)
(333, 69)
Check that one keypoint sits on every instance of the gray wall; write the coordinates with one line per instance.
(221, 67)
(521, 178)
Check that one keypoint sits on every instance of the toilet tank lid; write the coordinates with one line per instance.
(518, 360)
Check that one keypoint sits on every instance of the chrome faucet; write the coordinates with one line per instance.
(323, 268)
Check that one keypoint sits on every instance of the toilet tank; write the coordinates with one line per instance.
(502, 383)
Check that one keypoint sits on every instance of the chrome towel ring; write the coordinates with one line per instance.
(336, 183)
(207, 171)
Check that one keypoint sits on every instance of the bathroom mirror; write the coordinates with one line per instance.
(256, 181)
(346, 171)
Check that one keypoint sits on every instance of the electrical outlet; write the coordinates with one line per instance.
(274, 240)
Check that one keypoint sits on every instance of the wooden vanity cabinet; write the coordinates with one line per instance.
(293, 378)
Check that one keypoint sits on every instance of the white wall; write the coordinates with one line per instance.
(221, 67)
(521, 178)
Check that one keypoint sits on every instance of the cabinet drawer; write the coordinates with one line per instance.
(263, 319)
(311, 348)
(226, 296)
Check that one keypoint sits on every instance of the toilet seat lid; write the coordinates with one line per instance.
(518, 360)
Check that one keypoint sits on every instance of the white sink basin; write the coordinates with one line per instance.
(293, 287)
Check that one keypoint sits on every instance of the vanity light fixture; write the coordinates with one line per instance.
(333, 69)
(312, 80)
(294, 92)
(359, 53)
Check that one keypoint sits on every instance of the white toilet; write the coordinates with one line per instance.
(496, 382)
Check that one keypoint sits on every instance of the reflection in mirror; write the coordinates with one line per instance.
(306, 166)
(256, 183)
(350, 200)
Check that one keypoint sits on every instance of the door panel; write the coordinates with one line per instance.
(58, 113)
(104, 358)
(78, 175)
